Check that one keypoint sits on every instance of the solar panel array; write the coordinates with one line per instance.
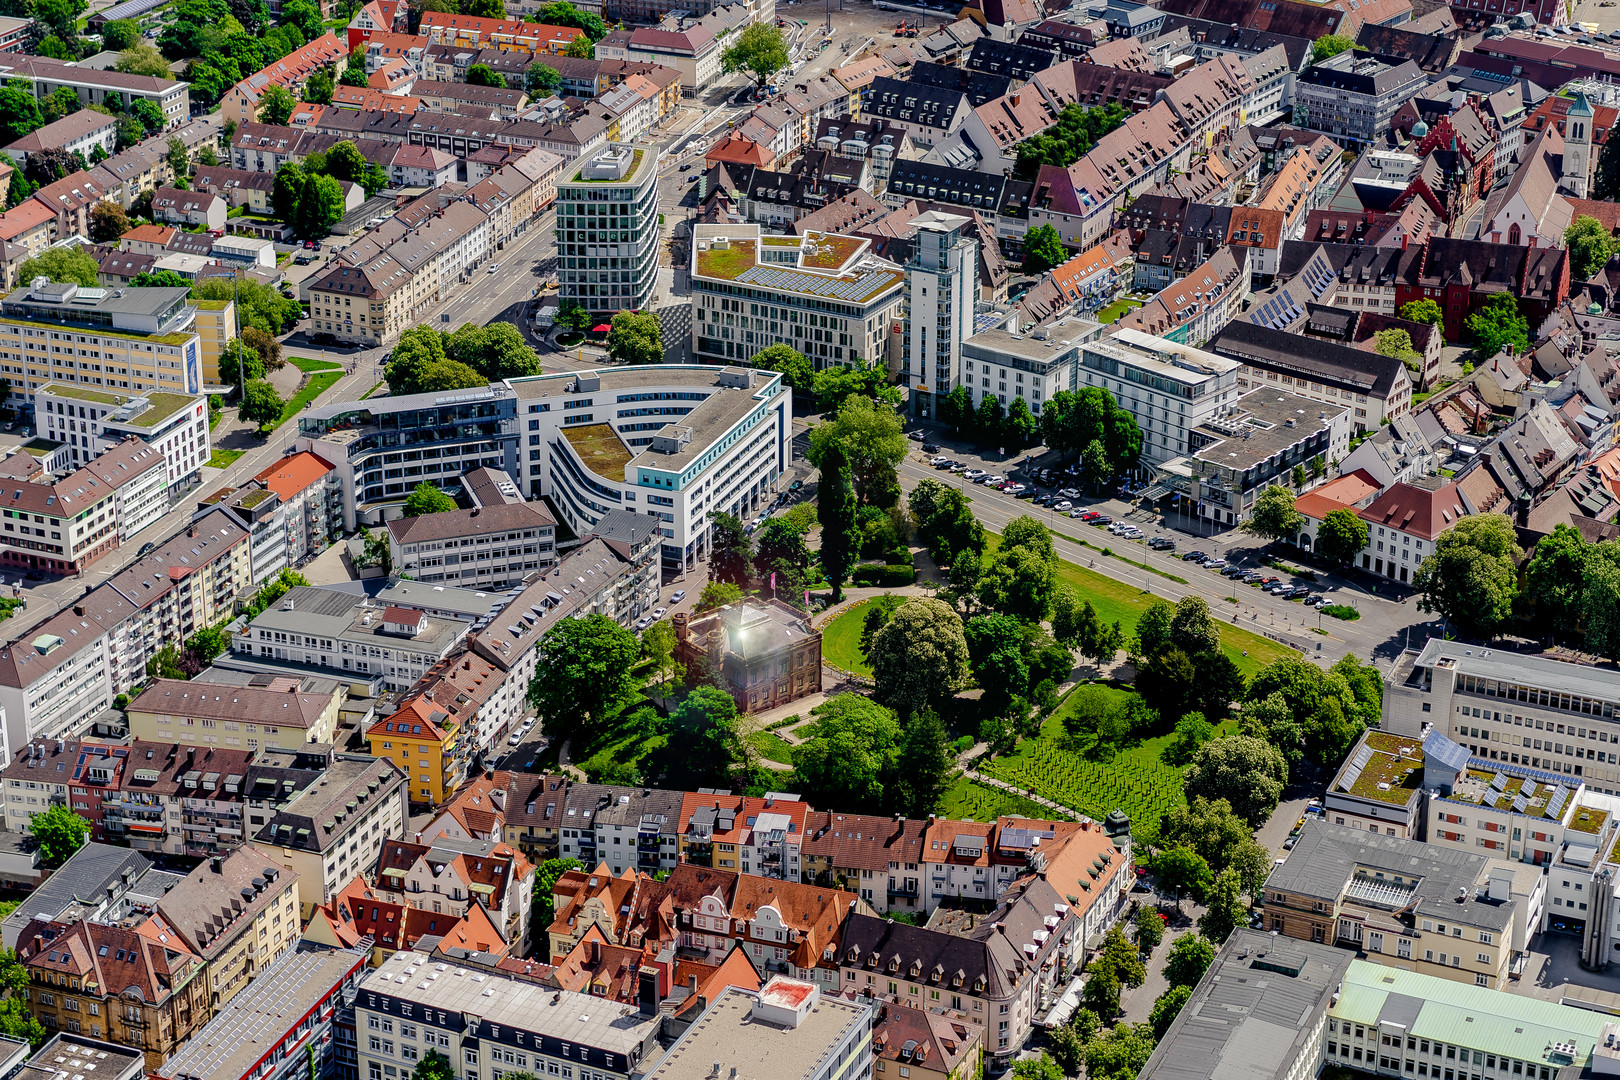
(1278, 312)
(1317, 278)
(1357, 763)
(1499, 782)
(854, 290)
(1555, 805)
(1520, 804)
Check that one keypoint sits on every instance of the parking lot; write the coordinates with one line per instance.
(1060, 491)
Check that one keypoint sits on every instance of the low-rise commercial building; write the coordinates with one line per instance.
(1375, 387)
(1168, 388)
(786, 1028)
(487, 547)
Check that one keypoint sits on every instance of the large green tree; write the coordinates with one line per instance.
(584, 672)
(1274, 516)
(1247, 772)
(19, 112)
(1590, 247)
(636, 337)
(1423, 311)
(920, 659)
(1188, 959)
(944, 520)
(562, 13)
(835, 512)
(260, 402)
(851, 756)
(923, 767)
(1330, 45)
(1043, 249)
(1555, 580)
(1120, 1052)
(796, 368)
(542, 907)
(1069, 138)
(58, 832)
(760, 50)
(872, 440)
(704, 741)
(496, 351)
(61, 264)
(1471, 578)
(1224, 908)
(427, 499)
(275, 105)
(1497, 324)
(1341, 536)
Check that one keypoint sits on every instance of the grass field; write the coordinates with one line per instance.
(771, 745)
(222, 459)
(974, 801)
(307, 364)
(841, 641)
(1115, 600)
(316, 385)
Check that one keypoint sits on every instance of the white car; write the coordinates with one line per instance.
(659, 613)
(677, 596)
(1014, 489)
(972, 474)
(1062, 506)
(517, 737)
(1070, 493)
(644, 622)
(1078, 512)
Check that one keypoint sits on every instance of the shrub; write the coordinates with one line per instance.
(1342, 611)
(872, 574)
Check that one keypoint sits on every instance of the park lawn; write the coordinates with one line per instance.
(316, 385)
(768, 744)
(1116, 601)
(967, 799)
(222, 459)
(841, 641)
(307, 364)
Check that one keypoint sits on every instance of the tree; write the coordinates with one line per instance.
(1555, 580)
(484, 75)
(1148, 928)
(108, 222)
(1043, 249)
(59, 832)
(944, 521)
(1167, 1008)
(541, 80)
(1192, 732)
(496, 351)
(1068, 1049)
(1073, 135)
(354, 75)
(920, 658)
(1330, 45)
(1019, 581)
(268, 348)
(120, 34)
(730, 549)
(780, 550)
(923, 767)
(1247, 772)
(433, 1066)
(851, 755)
(208, 643)
(796, 369)
(704, 743)
(872, 440)
(1590, 247)
(1497, 325)
(178, 158)
(256, 304)
(143, 59)
(485, 9)
(581, 48)
(1471, 577)
(1101, 993)
(718, 594)
(427, 499)
(1274, 516)
(542, 908)
(319, 207)
(1041, 1068)
(1423, 311)
(1600, 599)
(275, 105)
(760, 50)
(1182, 872)
(1211, 828)
(583, 672)
(1226, 910)
(305, 15)
(1188, 959)
(1341, 536)
(1192, 630)
(636, 338)
(376, 551)
(1120, 1052)
(1397, 343)
(260, 403)
(1606, 182)
(130, 132)
(561, 13)
(1153, 628)
(15, 1019)
(19, 114)
(62, 265)
(835, 511)
(417, 347)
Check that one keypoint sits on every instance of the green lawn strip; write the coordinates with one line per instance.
(1112, 554)
(841, 641)
(222, 459)
(771, 745)
(307, 364)
(1117, 601)
(381, 383)
(974, 801)
(317, 385)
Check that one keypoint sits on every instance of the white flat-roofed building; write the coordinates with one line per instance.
(785, 1030)
(821, 294)
(279, 1027)
(92, 422)
(488, 1022)
(1029, 363)
(675, 442)
(131, 340)
(64, 525)
(607, 230)
(942, 282)
(1169, 388)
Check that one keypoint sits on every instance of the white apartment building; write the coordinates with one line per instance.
(1031, 364)
(92, 421)
(822, 294)
(942, 284)
(491, 547)
(135, 340)
(1169, 388)
(64, 525)
(786, 1028)
(675, 442)
(334, 829)
(353, 639)
(489, 1023)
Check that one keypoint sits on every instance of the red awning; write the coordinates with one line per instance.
(604, 328)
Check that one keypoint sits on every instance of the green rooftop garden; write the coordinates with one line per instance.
(1388, 776)
(600, 449)
(727, 262)
(822, 251)
(1588, 819)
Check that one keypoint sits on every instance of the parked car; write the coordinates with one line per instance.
(1192, 555)
(1102, 519)
(1063, 504)
(1214, 564)
(1161, 543)
(1079, 514)
(677, 596)
(972, 474)
(915, 436)
(1069, 493)
(930, 448)
(937, 461)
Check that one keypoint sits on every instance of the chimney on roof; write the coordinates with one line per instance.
(78, 609)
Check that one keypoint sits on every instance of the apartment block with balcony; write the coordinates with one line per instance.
(64, 525)
(429, 742)
(92, 422)
(179, 799)
(453, 875)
